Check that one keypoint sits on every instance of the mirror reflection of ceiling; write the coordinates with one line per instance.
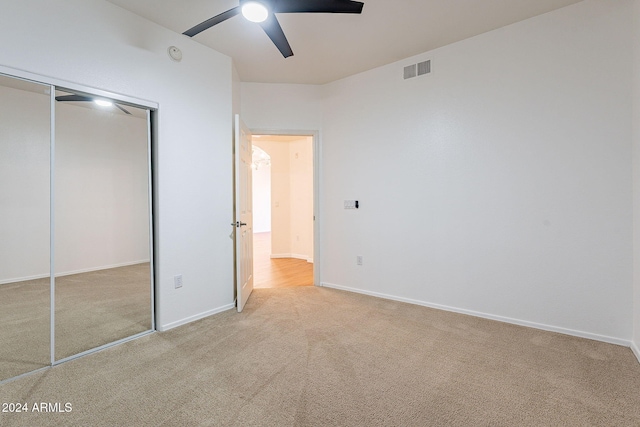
(25, 85)
(140, 113)
(28, 86)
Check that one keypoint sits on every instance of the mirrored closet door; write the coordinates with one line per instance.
(25, 111)
(102, 223)
(75, 204)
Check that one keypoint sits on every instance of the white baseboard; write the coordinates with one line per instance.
(296, 256)
(276, 256)
(636, 350)
(69, 273)
(163, 328)
(24, 279)
(575, 333)
(105, 267)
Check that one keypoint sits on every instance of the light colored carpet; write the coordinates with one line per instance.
(308, 356)
(92, 309)
(96, 308)
(24, 327)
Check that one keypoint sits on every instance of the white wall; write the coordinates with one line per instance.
(636, 178)
(24, 185)
(498, 185)
(101, 189)
(281, 107)
(236, 88)
(101, 210)
(280, 195)
(301, 187)
(106, 47)
(262, 199)
(506, 180)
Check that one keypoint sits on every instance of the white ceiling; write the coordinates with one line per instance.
(328, 47)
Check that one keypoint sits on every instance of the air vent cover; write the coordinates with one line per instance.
(410, 71)
(424, 67)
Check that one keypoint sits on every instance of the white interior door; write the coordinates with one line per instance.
(244, 213)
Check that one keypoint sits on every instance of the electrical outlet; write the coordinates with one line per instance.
(359, 260)
(177, 281)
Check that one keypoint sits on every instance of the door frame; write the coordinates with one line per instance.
(316, 147)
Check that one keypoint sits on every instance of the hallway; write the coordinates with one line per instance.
(277, 273)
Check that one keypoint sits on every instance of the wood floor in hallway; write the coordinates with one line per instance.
(280, 272)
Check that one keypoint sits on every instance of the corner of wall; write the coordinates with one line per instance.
(208, 313)
(635, 343)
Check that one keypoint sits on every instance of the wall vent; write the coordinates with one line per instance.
(410, 71)
(419, 69)
(424, 67)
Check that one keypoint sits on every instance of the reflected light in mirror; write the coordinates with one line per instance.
(103, 103)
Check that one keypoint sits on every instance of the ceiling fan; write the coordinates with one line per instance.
(83, 98)
(263, 12)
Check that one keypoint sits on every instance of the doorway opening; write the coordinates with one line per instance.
(283, 210)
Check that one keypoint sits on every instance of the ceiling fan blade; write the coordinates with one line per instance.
(212, 21)
(73, 98)
(124, 110)
(317, 6)
(273, 29)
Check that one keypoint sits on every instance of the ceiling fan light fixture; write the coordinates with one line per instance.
(103, 103)
(255, 11)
